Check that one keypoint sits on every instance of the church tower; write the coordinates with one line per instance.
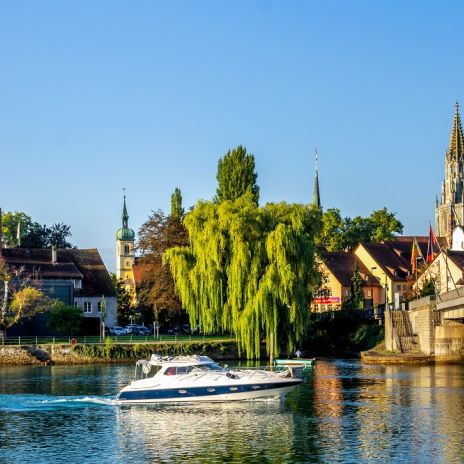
(125, 252)
(316, 195)
(449, 210)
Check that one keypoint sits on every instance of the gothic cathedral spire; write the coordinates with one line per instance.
(456, 144)
(449, 209)
(316, 195)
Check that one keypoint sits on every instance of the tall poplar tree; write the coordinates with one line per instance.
(248, 270)
(236, 176)
(157, 234)
(177, 211)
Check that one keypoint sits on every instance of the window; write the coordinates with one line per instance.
(322, 308)
(99, 307)
(76, 304)
(329, 307)
(126, 249)
(369, 293)
(77, 283)
(87, 306)
(398, 288)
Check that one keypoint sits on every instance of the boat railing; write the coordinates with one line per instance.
(253, 371)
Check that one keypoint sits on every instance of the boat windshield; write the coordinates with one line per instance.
(194, 368)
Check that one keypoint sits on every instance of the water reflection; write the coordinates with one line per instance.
(261, 431)
(345, 413)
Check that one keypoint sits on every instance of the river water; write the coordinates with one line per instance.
(345, 413)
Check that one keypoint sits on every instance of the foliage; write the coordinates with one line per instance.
(124, 300)
(345, 332)
(331, 236)
(428, 288)
(57, 235)
(176, 204)
(356, 299)
(157, 234)
(114, 351)
(338, 234)
(31, 233)
(248, 270)
(65, 319)
(236, 176)
(18, 299)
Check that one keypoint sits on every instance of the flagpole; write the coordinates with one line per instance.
(446, 261)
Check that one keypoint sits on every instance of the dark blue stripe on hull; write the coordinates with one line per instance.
(200, 391)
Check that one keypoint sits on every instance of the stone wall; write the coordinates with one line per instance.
(449, 342)
(423, 317)
(114, 353)
(390, 339)
(16, 355)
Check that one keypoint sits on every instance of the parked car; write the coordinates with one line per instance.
(117, 330)
(141, 330)
(130, 328)
(183, 329)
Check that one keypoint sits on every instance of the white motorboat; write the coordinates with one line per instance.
(199, 378)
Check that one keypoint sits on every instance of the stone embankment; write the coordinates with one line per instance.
(419, 335)
(111, 353)
(381, 357)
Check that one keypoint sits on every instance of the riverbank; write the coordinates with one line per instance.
(379, 355)
(112, 352)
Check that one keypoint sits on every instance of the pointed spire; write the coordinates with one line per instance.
(125, 216)
(316, 195)
(456, 145)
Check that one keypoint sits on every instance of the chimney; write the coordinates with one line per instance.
(54, 255)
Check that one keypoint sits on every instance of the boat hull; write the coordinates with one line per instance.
(207, 394)
(293, 362)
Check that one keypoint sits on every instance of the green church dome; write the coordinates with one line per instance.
(125, 234)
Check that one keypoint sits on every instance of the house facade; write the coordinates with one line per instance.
(76, 277)
(338, 269)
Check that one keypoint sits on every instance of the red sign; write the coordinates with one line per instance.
(329, 300)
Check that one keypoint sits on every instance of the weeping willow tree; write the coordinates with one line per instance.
(248, 270)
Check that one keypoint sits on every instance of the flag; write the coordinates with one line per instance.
(430, 246)
(414, 255)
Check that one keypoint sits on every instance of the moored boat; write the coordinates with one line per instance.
(199, 378)
(295, 362)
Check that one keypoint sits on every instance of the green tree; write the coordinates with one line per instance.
(428, 288)
(356, 230)
(356, 299)
(248, 270)
(156, 291)
(124, 300)
(384, 225)
(18, 300)
(338, 234)
(65, 319)
(20, 230)
(57, 235)
(10, 221)
(176, 204)
(331, 236)
(236, 176)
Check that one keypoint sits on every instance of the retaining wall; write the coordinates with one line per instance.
(449, 342)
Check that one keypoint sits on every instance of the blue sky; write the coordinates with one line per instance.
(147, 95)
